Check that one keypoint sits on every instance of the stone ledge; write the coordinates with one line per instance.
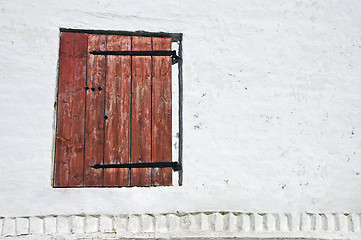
(215, 225)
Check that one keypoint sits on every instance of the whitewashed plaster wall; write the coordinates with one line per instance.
(272, 105)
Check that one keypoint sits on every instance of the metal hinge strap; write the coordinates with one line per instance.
(174, 165)
(173, 54)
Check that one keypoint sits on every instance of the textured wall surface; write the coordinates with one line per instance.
(214, 225)
(272, 106)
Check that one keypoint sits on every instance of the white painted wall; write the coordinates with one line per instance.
(272, 105)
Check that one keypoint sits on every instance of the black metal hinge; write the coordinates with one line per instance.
(173, 54)
(174, 165)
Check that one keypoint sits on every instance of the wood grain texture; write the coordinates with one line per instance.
(141, 112)
(94, 124)
(78, 110)
(117, 108)
(162, 112)
(63, 131)
(70, 115)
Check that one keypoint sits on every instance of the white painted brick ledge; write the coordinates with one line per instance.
(184, 225)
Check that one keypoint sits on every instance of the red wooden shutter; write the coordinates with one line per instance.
(112, 109)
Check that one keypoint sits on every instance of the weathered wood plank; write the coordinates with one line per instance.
(141, 112)
(94, 124)
(63, 132)
(78, 110)
(162, 112)
(117, 108)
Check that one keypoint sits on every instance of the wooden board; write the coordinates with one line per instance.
(63, 133)
(69, 151)
(78, 109)
(162, 112)
(141, 112)
(117, 108)
(94, 123)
